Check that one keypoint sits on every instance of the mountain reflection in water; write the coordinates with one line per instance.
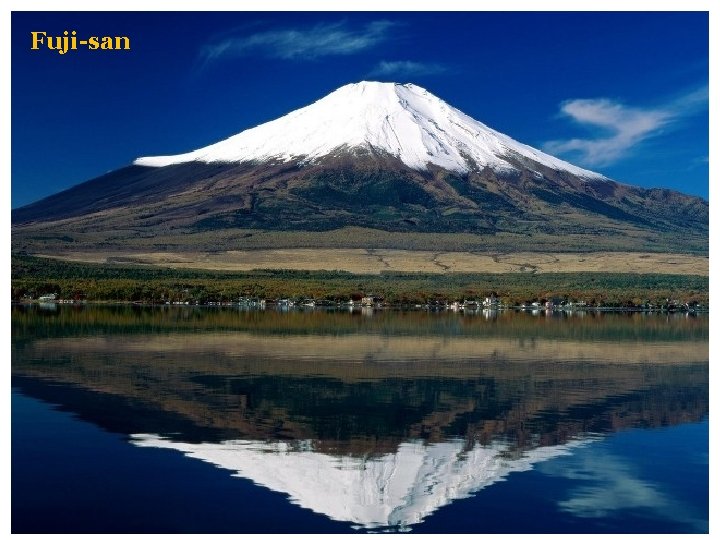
(374, 421)
(391, 490)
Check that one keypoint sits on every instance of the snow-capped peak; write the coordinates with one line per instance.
(404, 120)
(397, 489)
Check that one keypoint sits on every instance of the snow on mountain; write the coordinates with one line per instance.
(393, 490)
(403, 120)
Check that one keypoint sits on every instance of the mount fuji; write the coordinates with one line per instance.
(403, 121)
(376, 156)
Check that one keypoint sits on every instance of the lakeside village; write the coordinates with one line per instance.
(487, 304)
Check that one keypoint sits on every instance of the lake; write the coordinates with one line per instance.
(181, 419)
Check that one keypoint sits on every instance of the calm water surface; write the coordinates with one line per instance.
(217, 420)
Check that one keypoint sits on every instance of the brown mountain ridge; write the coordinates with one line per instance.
(371, 191)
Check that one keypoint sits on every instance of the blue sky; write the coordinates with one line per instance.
(624, 94)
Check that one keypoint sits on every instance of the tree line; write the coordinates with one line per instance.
(35, 276)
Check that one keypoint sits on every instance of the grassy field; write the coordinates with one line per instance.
(375, 261)
(34, 276)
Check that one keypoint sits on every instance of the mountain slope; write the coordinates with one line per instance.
(373, 155)
(404, 121)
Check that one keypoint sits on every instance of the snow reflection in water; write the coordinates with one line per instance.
(393, 490)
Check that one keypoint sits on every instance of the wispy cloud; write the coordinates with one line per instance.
(405, 68)
(604, 485)
(619, 127)
(324, 39)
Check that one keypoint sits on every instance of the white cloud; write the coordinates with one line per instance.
(605, 485)
(610, 486)
(620, 128)
(405, 68)
(324, 39)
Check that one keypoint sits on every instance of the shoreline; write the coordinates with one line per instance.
(34, 278)
(273, 306)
